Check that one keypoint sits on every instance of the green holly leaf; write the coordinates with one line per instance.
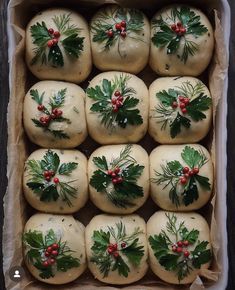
(197, 106)
(179, 121)
(67, 168)
(101, 240)
(66, 262)
(99, 180)
(101, 163)
(34, 239)
(49, 193)
(55, 56)
(134, 253)
(50, 238)
(121, 266)
(133, 172)
(191, 236)
(203, 181)
(36, 97)
(50, 161)
(167, 98)
(45, 272)
(192, 157)
(175, 166)
(190, 194)
(201, 255)
(73, 45)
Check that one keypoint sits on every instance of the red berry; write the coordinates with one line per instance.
(185, 169)
(184, 110)
(115, 246)
(174, 248)
(110, 250)
(191, 173)
(119, 104)
(59, 113)
(186, 175)
(54, 253)
(118, 26)
(186, 101)
(179, 250)
(53, 116)
(186, 243)
(47, 254)
(116, 254)
(173, 26)
(110, 33)
(182, 30)
(115, 109)
(113, 174)
(45, 264)
(114, 101)
(40, 107)
(117, 170)
(195, 170)
(179, 24)
(120, 98)
(174, 105)
(55, 111)
(123, 244)
(52, 173)
(47, 119)
(177, 30)
(52, 261)
(114, 181)
(117, 94)
(56, 34)
(46, 173)
(55, 41)
(109, 172)
(183, 180)
(42, 119)
(50, 43)
(181, 98)
(186, 253)
(48, 178)
(182, 105)
(51, 30)
(123, 23)
(123, 34)
(55, 246)
(49, 249)
(180, 244)
(56, 180)
(119, 179)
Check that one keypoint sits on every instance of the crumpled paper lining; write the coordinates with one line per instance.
(16, 210)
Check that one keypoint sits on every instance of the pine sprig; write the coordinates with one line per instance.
(37, 245)
(183, 190)
(123, 189)
(43, 182)
(103, 96)
(106, 22)
(173, 254)
(55, 102)
(168, 114)
(167, 36)
(48, 48)
(109, 257)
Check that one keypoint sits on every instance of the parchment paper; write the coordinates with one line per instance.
(16, 210)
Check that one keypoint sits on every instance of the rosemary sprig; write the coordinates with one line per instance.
(44, 181)
(173, 255)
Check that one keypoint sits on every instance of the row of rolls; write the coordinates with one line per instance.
(117, 249)
(60, 45)
(117, 108)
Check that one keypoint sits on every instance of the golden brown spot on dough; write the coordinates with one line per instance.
(61, 208)
(209, 34)
(70, 225)
(62, 220)
(193, 218)
(167, 66)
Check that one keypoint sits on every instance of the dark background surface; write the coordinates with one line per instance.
(4, 91)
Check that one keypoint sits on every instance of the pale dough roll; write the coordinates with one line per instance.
(163, 114)
(72, 183)
(65, 229)
(109, 198)
(191, 221)
(168, 167)
(131, 224)
(127, 53)
(129, 123)
(76, 52)
(68, 132)
(189, 53)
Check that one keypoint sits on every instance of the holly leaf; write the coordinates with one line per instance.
(179, 121)
(50, 238)
(191, 236)
(73, 45)
(101, 163)
(37, 187)
(163, 37)
(203, 181)
(121, 266)
(36, 97)
(175, 166)
(34, 239)
(50, 161)
(101, 240)
(167, 98)
(67, 168)
(100, 180)
(193, 157)
(45, 272)
(201, 255)
(49, 193)
(132, 172)
(55, 56)
(134, 252)
(66, 262)
(190, 194)
(196, 106)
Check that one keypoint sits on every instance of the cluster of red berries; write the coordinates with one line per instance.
(117, 101)
(48, 174)
(45, 120)
(51, 253)
(187, 174)
(113, 249)
(178, 28)
(183, 103)
(116, 176)
(120, 27)
(55, 35)
(180, 248)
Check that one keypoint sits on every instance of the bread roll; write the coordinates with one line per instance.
(54, 115)
(119, 178)
(55, 181)
(120, 39)
(116, 248)
(181, 177)
(58, 46)
(180, 110)
(117, 108)
(179, 246)
(182, 41)
(54, 248)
